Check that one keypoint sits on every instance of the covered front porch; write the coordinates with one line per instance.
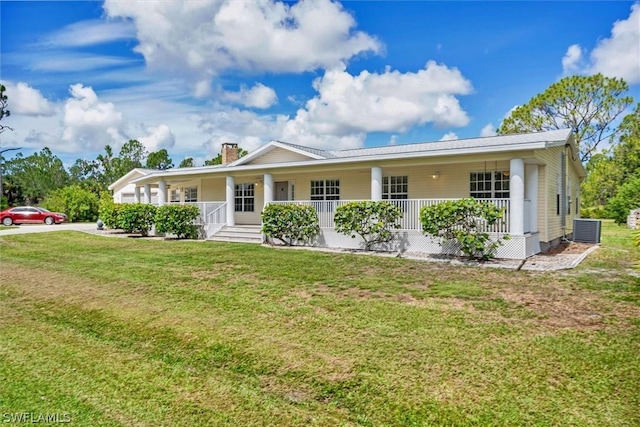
(238, 199)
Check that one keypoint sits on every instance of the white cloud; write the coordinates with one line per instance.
(259, 96)
(23, 99)
(347, 107)
(571, 60)
(91, 32)
(488, 130)
(615, 56)
(157, 138)
(197, 40)
(449, 136)
(58, 61)
(89, 123)
(619, 55)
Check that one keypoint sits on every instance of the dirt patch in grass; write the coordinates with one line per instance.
(569, 248)
(562, 307)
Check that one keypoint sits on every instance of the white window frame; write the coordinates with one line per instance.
(395, 187)
(325, 189)
(482, 185)
(244, 197)
(191, 194)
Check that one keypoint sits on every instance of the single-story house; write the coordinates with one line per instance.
(124, 190)
(535, 177)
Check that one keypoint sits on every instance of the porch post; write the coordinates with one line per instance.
(231, 194)
(531, 193)
(162, 192)
(268, 188)
(136, 194)
(147, 193)
(516, 199)
(376, 183)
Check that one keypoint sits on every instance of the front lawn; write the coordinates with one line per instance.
(114, 331)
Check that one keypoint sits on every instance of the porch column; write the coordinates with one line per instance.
(136, 194)
(147, 193)
(531, 194)
(162, 192)
(268, 188)
(376, 183)
(231, 196)
(516, 201)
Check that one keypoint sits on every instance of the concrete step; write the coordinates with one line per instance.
(245, 234)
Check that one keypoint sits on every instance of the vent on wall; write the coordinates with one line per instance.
(586, 230)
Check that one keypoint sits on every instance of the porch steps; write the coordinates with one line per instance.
(239, 233)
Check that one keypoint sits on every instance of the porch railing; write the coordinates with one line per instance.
(213, 215)
(410, 207)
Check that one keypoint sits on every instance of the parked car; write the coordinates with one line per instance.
(31, 215)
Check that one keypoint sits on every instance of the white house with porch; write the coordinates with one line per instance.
(535, 177)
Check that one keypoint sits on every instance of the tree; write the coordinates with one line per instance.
(159, 160)
(586, 104)
(132, 155)
(217, 160)
(77, 202)
(626, 199)
(610, 170)
(187, 163)
(38, 174)
(4, 110)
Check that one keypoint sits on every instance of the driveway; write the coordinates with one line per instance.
(43, 228)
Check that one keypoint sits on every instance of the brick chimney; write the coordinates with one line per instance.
(229, 152)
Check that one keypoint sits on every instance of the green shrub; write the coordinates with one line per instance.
(372, 221)
(290, 223)
(136, 217)
(178, 220)
(627, 198)
(463, 222)
(109, 211)
(595, 212)
(78, 203)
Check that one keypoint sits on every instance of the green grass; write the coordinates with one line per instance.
(126, 332)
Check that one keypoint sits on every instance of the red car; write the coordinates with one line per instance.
(30, 215)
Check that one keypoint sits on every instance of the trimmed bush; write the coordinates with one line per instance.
(290, 223)
(373, 221)
(463, 221)
(109, 211)
(78, 203)
(136, 217)
(178, 220)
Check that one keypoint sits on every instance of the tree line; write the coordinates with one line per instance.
(589, 105)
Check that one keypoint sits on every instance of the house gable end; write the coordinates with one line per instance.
(277, 152)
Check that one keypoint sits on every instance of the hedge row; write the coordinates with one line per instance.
(460, 221)
(140, 218)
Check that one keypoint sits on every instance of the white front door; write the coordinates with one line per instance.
(282, 191)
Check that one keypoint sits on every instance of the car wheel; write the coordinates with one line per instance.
(49, 220)
(7, 221)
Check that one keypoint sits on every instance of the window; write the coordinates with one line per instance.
(244, 200)
(395, 187)
(191, 194)
(325, 189)
(174, 196)
(488, 185)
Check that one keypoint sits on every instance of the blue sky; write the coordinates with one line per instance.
(188, 76)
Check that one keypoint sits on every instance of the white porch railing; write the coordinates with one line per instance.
(213, 215)
(410, 207)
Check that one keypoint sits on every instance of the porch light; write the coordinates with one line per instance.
(435, 175)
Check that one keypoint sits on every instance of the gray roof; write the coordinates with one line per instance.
(456, 144)
(315, 151)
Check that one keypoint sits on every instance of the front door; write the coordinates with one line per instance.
(282, 191)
